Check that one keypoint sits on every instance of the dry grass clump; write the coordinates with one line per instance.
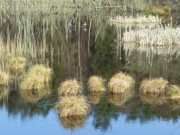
(121, 83)
(173, 104)
(16, 63)
(73, 122)
(96, 83)
(41, 72)
(119, 99)
(17, 73)
(95, 97)
(165, 10)
(69, 88)
(73, 106)
(4, 78)
(38, 77)
(4, 93)
(34, 95)
(173, 92)
(153, 86)
(153, 99)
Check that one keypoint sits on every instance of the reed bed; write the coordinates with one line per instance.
(73, 123)
(173, 92)
(73, 106)
(70, 88)
(161, 36)
(119, 99)
(95, 97)
(121, 83)
(154, 86)
(4, 78)
(4, 93)
(124, 20)
(34, 95)
(96, 84)
(153, 99)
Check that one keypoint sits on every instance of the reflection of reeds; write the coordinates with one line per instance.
(73, 122)
(73, 106)
(69, 87)
(4, 93)
(153, 86)
(95, 97)
(4, 78)
(120, 98)
(153, 99)
(34, 95)
(173, 92)
(96, 83)
(121, 83)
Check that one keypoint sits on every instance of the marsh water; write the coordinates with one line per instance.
(85, 45)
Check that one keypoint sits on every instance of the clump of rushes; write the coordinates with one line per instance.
(73, 122)
(73, 106)
(121, 83)
(4, 93)
(38, 77)
(153, 99)
(4, 78)
(95, 97)
(69, 88)
(34, 95)
(17, 63)
(119, 99)
(41, 72)
(96, 83)
(173, 92)
(153, 86)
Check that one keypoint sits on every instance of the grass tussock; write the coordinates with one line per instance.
(34, 95)
(73, 106)
(69, 88)
(4, 93)
(119, 99)
(173, 104)
(41, 72)
(73, 123)
(4, 78)
(153, 86)
(17, 63)
(95, 97)
(173, 92)
(38, 77)
(17, 73)
(153, 99)
(121, 83)
(165, 10)
(96, 83)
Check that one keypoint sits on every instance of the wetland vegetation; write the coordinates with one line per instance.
(90, 67)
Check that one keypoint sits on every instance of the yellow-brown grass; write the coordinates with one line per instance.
(153, 99)
(173, 92)
(73, 122)
(121, 83)
(73, 106)
(96, 83)
(38, 77)
(4, 93)
(95, 97)
(4, 78)
(160, 11)
(173, 104)
(17, 73)
(34, 95)
(17, 63)
(153, 86)
(33, 82)
(120, 98)
(69, 88)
